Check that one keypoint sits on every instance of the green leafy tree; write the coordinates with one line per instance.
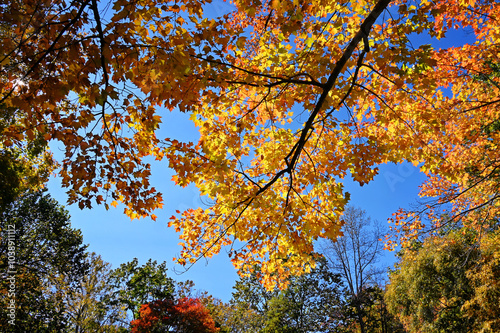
(9, 179)
(136, 285)
(36, 230)
(448, 283)
(377, 317)
(23, 169)
(311, 302)
(484, 277)
(86, 304)
(233, 318)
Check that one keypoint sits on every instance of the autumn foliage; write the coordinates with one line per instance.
(289, 98)
(186, 315)
(448, 284)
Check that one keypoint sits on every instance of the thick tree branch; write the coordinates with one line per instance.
(362, 34)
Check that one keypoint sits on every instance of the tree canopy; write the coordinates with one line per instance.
(135, 285)
(312, 302)
(38, 249)
(448, 284)
(185, 315)
(289, 97)
(88, 306)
